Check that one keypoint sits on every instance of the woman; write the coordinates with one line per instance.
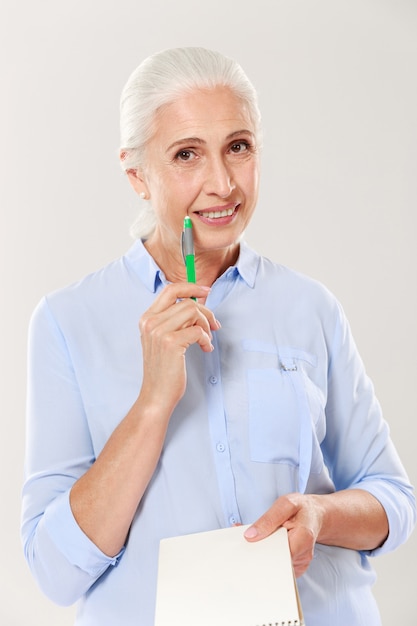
(241, 400)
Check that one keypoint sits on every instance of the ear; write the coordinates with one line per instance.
(136, 179)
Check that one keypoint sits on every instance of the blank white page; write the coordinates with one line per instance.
(218, 578)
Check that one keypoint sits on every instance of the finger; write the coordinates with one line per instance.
(176, 291)
(195, 334)
(281, 511)
(301, 562)
(300, 568)
(171, 332)
(183, 314)
(301, 541)
(192, 313)
(177, 315)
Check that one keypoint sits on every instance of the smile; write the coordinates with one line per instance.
(218, 214)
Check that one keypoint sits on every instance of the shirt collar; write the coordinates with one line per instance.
(144, 266)
(152, 276)
(247, 264)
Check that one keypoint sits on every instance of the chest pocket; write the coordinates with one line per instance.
(286, 409)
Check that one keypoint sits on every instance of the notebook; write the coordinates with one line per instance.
(218, 578)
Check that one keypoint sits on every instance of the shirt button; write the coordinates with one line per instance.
(213, 380)
(232, 520)
(220, 447)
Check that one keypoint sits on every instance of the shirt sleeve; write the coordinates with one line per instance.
(62, 558)
(357, 448)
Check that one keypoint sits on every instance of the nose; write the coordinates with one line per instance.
(219, 179)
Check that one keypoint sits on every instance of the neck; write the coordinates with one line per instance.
(210, 264)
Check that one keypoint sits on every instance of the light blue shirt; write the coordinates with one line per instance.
(282, 404)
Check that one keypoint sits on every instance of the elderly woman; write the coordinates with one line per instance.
(241, 399)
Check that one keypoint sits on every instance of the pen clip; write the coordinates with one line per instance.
(182, 247)
(187, 241)
(187, 247)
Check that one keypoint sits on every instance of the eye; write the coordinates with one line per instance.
(240, 146)
(185, 155)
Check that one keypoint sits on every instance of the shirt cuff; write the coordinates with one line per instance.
(400, 523)
(72, 542)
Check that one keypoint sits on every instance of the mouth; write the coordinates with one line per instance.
(219, 213)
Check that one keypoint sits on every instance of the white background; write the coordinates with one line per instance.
(338, 90)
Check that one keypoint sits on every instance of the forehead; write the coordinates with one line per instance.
(202, 112)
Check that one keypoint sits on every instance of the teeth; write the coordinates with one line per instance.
(214, 214)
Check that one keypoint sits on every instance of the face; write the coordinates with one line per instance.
(202, 161)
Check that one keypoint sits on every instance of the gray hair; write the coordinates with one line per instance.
(161, 79)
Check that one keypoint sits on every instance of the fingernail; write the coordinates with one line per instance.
(251, 533)
(218, 324)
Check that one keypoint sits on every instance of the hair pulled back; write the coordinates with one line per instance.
(161, 79)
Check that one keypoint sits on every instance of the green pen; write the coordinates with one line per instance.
(187, 244)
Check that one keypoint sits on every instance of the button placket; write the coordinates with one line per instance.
(219, 438)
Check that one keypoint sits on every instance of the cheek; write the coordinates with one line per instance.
(186, 189)
(250, 181)
(173, 198)
(165, 193)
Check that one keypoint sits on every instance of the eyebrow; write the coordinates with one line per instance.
(197, 140)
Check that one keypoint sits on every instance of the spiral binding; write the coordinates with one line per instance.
(290, 623)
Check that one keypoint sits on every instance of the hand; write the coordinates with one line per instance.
(302, 517)
(168, 328)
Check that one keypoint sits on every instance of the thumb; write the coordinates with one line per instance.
(269, 522)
